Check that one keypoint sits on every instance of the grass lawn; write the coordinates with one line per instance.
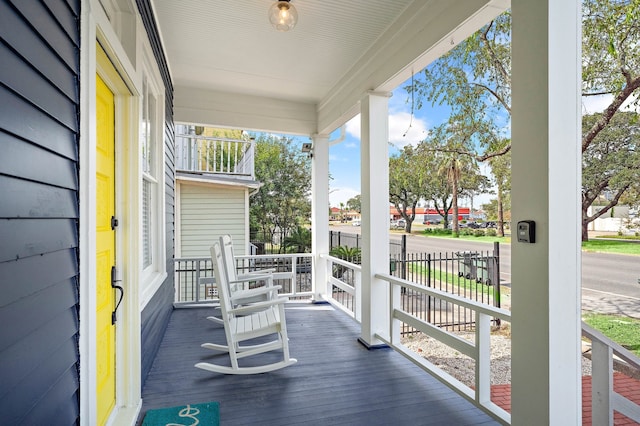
(454, 280)
(608, 246)
(622, 330)
(601, 246)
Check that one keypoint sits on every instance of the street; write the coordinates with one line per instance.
(608, 280)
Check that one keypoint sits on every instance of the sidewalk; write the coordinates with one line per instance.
(604, 303)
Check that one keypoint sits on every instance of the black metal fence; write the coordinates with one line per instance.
(474, 275)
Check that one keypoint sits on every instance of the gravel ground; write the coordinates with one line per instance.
(462, 367)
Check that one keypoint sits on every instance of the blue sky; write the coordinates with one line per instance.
(344, 158)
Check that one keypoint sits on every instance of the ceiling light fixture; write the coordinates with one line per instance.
(283, 15)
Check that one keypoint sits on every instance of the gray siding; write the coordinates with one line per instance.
(155, 316)
(39, 110)
(206, 212)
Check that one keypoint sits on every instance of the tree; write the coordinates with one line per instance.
(610, 165)
(501, 171)
(450, 141)
(476, 74)
(281, 204)
(355, 203)
(406, 183)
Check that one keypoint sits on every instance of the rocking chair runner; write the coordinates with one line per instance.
(240, 292)
(248, 322)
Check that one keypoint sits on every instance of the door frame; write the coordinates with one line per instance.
(102, 53)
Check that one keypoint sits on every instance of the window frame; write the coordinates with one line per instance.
(152, 128)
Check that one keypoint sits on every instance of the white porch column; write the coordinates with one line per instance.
(374, 154)
(546, 175)
(320, 213)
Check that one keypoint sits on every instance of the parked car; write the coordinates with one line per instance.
(356, 222)
(398, 224)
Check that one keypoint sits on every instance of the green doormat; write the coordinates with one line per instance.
(207, 414)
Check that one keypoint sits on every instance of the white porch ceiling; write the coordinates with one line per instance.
(228, 52)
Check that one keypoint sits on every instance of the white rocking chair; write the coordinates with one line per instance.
(240, 292)
(248, 322)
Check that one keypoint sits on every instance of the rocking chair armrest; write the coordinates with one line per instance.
(252, 277)
(258, 272)
(259, 306)
(252, 292)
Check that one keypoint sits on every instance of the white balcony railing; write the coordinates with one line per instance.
(202, 154)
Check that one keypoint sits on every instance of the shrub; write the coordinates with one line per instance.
(437, 231)
(350, 254)
(491, 232)
(478, 232)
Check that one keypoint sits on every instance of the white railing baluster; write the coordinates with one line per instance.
(604, 400)
(480, 352)
(197, 153)
(601, 383)
(483, 358)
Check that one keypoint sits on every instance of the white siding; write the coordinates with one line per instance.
(206, 213)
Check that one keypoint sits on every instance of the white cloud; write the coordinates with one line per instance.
(341, 195)
(593, 104)
(406, 131)
(402, 129)
(353, 127)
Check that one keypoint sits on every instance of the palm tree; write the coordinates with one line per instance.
(450, 167)
(299, 241)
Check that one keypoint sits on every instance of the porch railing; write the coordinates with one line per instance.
(604, 399)
(204, 154)
(195, 284)
(344, 285)
(479, 350)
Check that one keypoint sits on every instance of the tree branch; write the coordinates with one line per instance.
(495, 95)
(608, 113)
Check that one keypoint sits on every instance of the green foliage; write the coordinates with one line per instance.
(436, 231)
(355, 203)
(620, 329)
(350, 254)
(490, 232)
(299, 241)
(611, 163)
(281, 204)
(408, 178)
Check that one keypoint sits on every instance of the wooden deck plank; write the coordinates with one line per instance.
(336, 380)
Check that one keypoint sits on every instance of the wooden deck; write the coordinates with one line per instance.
(336, 380)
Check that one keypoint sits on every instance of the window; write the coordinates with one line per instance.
(151, 190)
(149, 181)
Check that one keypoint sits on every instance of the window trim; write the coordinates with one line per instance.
(154, 275)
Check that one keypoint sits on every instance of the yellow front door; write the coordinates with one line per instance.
(105, 251)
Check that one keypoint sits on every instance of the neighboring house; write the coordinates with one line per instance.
(618, 219)
(214, 180)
